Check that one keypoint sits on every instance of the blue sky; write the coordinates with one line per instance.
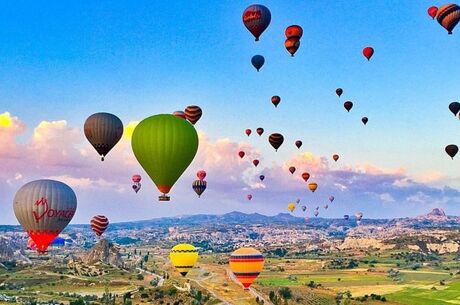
(66, 61)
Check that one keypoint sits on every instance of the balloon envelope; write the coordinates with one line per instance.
(99, 224)
(364, 120)
(257, 61)
(448, 16)
(305, 176)
(261, 177)
(292, 169)
(432, 10)
(241, 154)
(451, 150)
(44, 208)
(165, 146)
(292, 45)
(201, 174)
(193, 113)
(348, 105)
(136, 178)
(298, 143)
(368, 52)
(276, 140)
(260, 131)
(339, 91)
(255, 162)
(246, 264)
(199, 186)
(291, 207)
(183, 257)
(248, 132)
(294, 31)
(276, 100)
(256, 19)
(454, 107)
(335, 157)
(312, 186)
(103, 130)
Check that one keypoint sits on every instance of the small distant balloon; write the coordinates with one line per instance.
(292, 169)
(241, 154)
(201, 174)
(255, 162)
(262, 177)
(364, 120)
(368, 52)
(292, 45)
(249, 197)
(331, 198)
(276, 140)
(193, 114)
(326, 206)
(346, 217)
(291, 207)
(276, 100)
(432, 10)
(199, 186)
(451, 150)
(348, 105)
(335, 157)
(339, 91)
(248, 132)
(260, 131)
(304, 208)
(305, 176)
(294, 31)
(258, 61)
(297, 200)
(313, 186)
(454, 107)
(256, 19)
(316, 213)
(298, 143)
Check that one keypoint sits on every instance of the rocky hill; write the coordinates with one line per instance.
(103, 252)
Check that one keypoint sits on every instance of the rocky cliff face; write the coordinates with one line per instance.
(105, 252)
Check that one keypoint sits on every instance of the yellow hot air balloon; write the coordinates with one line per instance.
(246, 264)
(183, 257)
(313, 186)
(291, 207)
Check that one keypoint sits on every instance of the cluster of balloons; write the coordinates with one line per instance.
(452, 149)
(447, 15)
(293, 34)
(245, 263)
(136, 182)
(199, 185)
(349, 104)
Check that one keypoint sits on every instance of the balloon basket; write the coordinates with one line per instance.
(163, 198)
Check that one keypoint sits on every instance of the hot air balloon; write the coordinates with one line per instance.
(298, 143)
(454, 107)
(292, 45)
(326, 206)
(103, 130)
(451, 150)
(256, 19)
(291, 207)
(180, 114)
(249, 197)
(448, 16)
(260, 131)
(335, 157)
(276, 100)
(136, 182)
(183, 257)
(261, 177)
(99, 224)
(257, 61)
(241, 154)
(248, 132)
(364, 120)
(297, 200)
(276, 140)
(44, 208)
(255, 162)
(305, 176)
(316, 213)
(193, 113)
(331, 198)
(246, 264)
(346, 217)
(432, 10)
(199, 186)
(339, 91)
(304, 208)
(348, 105)
(312, 186)
(165, 146)
(294, 31)
(292, 169)
(368, 52)
(201, 174)
(317, 208)
(359, 216)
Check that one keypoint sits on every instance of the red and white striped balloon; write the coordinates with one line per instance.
(99, 224)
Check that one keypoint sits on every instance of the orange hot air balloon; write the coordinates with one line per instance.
(276, 140)
(448, 16)
(276, 100)
(241, 154)
(298, 143)
(193, 113)
(368, 52)
(292, 45)
(248, 132)
(246, 264)
(313, 186)
(292, 169)
(256, 19)
(432, 10)
(335, 157)
(305, 176)
(255, 162)
(294, 31)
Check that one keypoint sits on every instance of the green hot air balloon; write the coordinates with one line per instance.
(164, 145)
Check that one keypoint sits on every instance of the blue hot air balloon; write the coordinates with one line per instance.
(258, 61)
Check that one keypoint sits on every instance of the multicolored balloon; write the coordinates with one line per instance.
(276, 140)
(256, 19)
(99, 224)
(44, 208)
(183, 257)
(258, 61)
(199, 186)
(246, 264)
(448, 16)
(103, 130)
(165, 146)
(193, 114)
